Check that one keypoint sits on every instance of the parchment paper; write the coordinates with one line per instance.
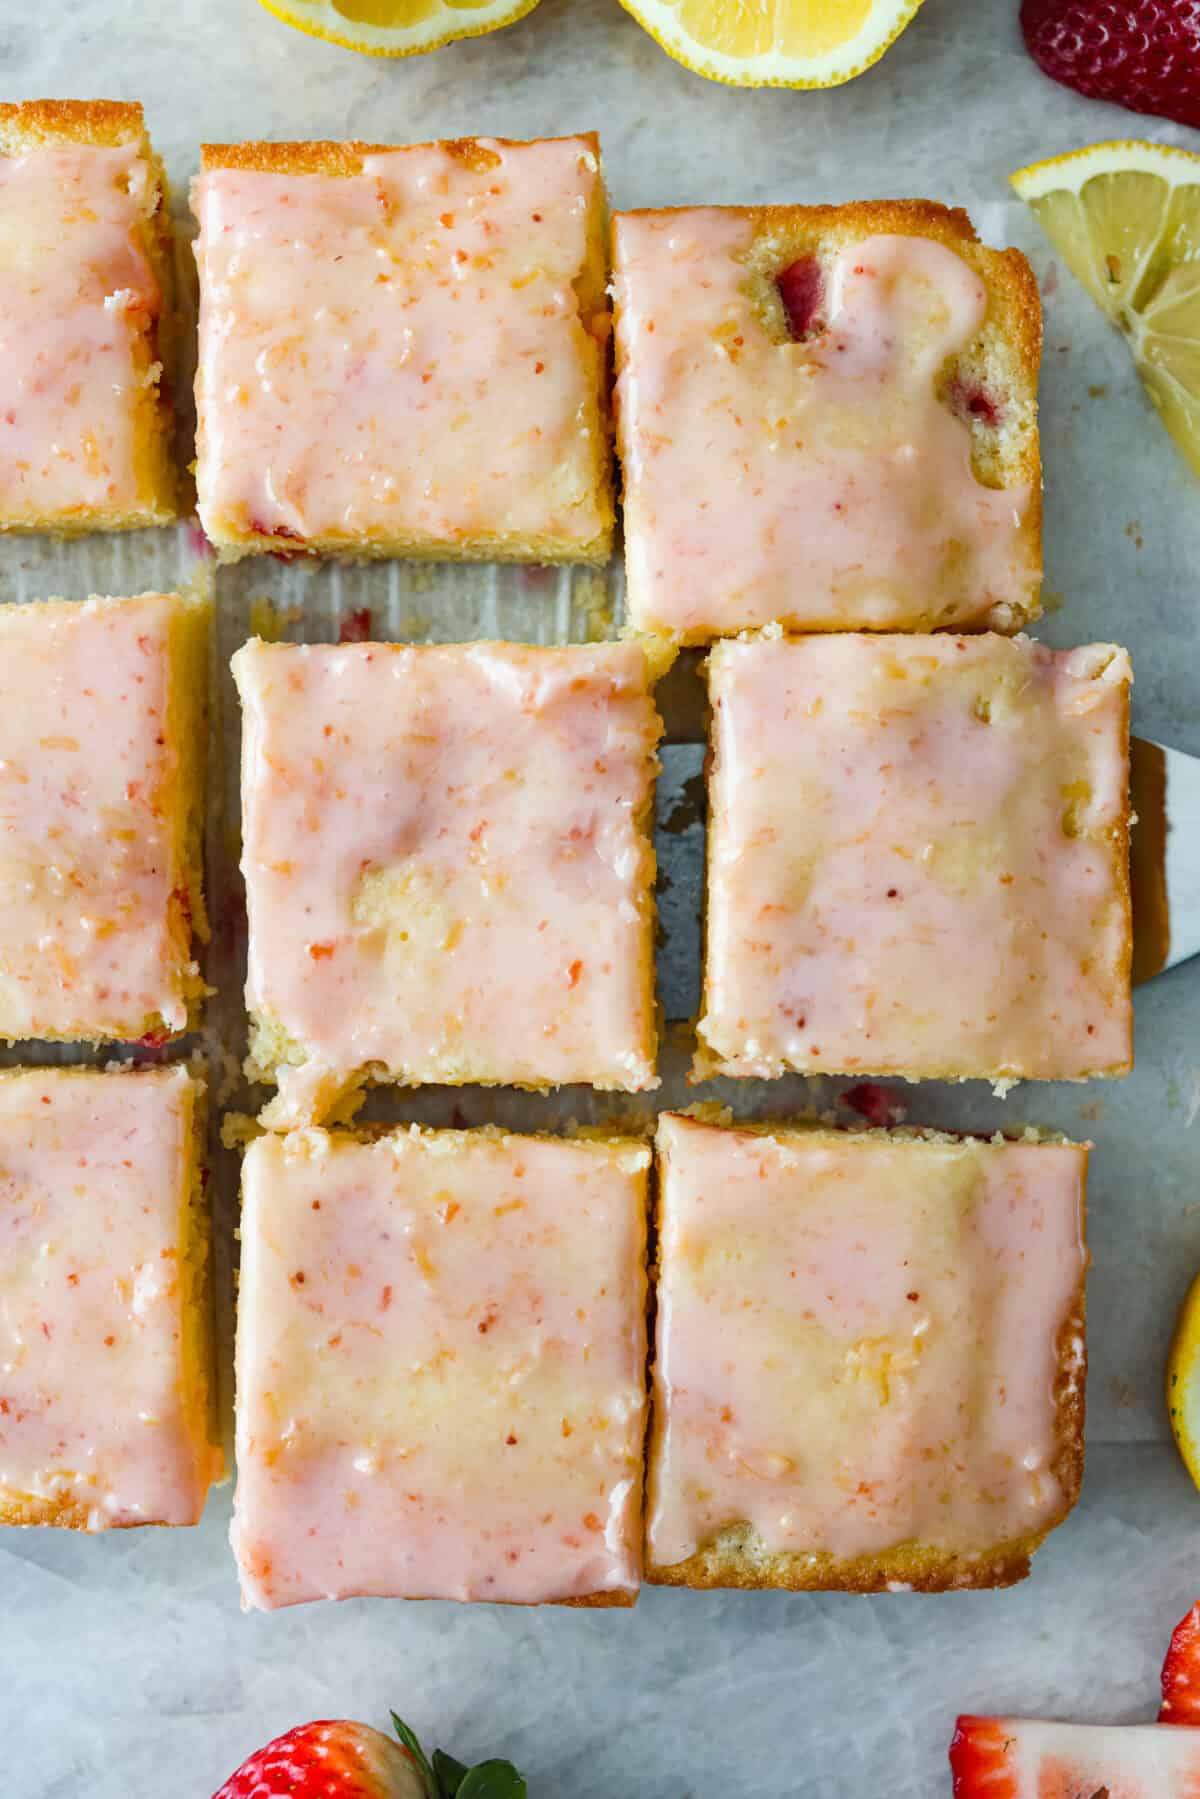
(126, 1666)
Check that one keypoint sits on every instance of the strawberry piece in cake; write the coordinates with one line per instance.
(801, 288)
(791, 443)
(441, 1367)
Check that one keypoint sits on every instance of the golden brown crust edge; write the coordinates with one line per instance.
(232, 546)
(30, 122)
(723, 1561)
(621, 1597)
(595, 319)
(66, 1514)
(188, 646)
(60, 1514)
(321, 156)
(1121, 846)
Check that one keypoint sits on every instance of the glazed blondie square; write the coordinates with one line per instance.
(86, 320)
(108, 1411)
(102, 759)
(918, 859)
(826, 419)
(448, 867)
(441, 1367)
(870, 1362)
(403, 351)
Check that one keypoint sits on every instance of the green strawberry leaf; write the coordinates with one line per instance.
(450, 1779)
(410, 1741)
(448, 1773)
(492, 1780)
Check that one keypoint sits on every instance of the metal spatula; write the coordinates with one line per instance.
(1165, 866)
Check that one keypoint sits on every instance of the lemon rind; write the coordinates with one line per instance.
(1115, 156)
(769, 68)
(404, 40)
(1175, 399)
(1183, 1360)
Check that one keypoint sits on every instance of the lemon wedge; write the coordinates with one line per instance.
(775, 43)
(1183, 1382)
(397, 27)
(1125, 217)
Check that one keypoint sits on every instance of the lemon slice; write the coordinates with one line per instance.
(775, 43)
(397, 27)
(1126, 219)
(1183, 1382)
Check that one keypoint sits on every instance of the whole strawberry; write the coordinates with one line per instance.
(1144, 54)
(338, 1759)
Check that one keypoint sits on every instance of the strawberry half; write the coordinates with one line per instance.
(1022, 1758)
(1143, 54)
(1181, 1673)
(338, 1759)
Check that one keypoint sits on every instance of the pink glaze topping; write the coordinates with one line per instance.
(77, 298)
(825, 483)
(446, 868)
(859, 1339)
(90, 838)
(100, 1416)
(919, 858)
(440, 1367)
(399, 353)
